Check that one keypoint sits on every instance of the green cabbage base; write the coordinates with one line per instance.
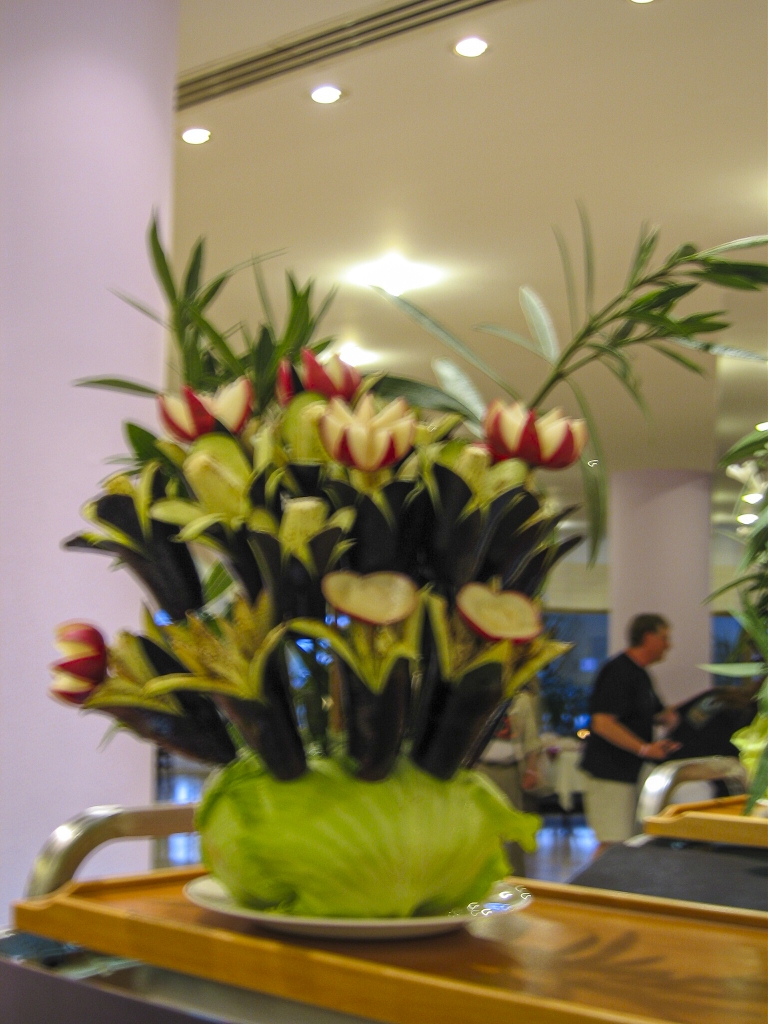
(329, 845)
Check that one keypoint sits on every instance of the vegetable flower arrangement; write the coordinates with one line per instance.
(343, 575)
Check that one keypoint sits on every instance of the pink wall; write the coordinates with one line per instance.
(658, 561)
(86, 92)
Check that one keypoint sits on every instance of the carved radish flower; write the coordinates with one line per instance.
(191, 415)
(365, 439)
(498, 614)
(84, 665)
(333, 379)
(552, 441)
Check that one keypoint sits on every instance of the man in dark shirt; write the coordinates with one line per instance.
(624, 708)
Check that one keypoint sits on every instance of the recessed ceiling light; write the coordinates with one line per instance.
(752, 499)
(471, 47)
(762, 426)
(353, 354)
(747, 519)
(196, 136)
(641, 1)
(326, 94)
(395, 274)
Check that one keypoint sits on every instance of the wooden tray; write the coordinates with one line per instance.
(576, 955)
(710, 821)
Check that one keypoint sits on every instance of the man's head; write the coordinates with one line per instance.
(648, 637)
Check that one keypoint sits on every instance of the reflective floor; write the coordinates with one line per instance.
(565, 845)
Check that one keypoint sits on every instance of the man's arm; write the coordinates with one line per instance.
(611, 729)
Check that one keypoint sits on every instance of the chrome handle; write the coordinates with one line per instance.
(71, 843)
(658, 787)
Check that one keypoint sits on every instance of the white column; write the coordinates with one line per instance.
(86, 100)
(658, 556)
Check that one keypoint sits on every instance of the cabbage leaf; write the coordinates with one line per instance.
(329, 845)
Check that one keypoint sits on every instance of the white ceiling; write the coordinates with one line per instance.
(641, 111)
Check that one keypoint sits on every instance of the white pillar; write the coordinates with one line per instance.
(86, 101)
(658, 556)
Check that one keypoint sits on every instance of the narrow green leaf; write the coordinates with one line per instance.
(266, 304)
(676, 357)
(160, 262)
(219, 344)
(745, 448)
(141, 307)
(736, 670)
(142, 441)
(116, 384)
(440, 332)
(646, 244)
(589, 260)
(211, 290)
(216, 582)
(735, 281)
(457, 384)
(513, 336)
(540, 323)
(421, 396)
(324, 307)
(752, 622)
(594, 477)
(739, 243)
(192, 274)
(570, 279)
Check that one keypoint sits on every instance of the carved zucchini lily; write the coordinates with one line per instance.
(220, 477)
(376, 652)
(296, 553)
(472, 654)
(142, 543)
(185, 722)
(237, 660)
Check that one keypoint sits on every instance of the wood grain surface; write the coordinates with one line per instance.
(575, 955)
(710, 821)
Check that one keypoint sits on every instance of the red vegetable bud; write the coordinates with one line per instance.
(84, 666)
(552, 441)
(365, 439)
(185, 417)
(333, 379)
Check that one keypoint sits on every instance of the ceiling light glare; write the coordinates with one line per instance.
(642, 1)
(326, 94)
(471, 47)
(752, 499)
(196, 136)
(350, 352)
(395, 274)
(747, 519)
(762, 426)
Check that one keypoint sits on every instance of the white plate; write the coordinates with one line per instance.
(209, 893)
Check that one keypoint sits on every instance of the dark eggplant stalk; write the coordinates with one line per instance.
(295, 591)
(178, 734)
(164, 566)
(197, 707)
(269, 726)
(375, 722)
(460, 722)
(382, 544)
(529, 578)
(452, 539)
(485, 737)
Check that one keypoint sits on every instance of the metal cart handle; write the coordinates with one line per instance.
(70, 844)
(658, 787)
